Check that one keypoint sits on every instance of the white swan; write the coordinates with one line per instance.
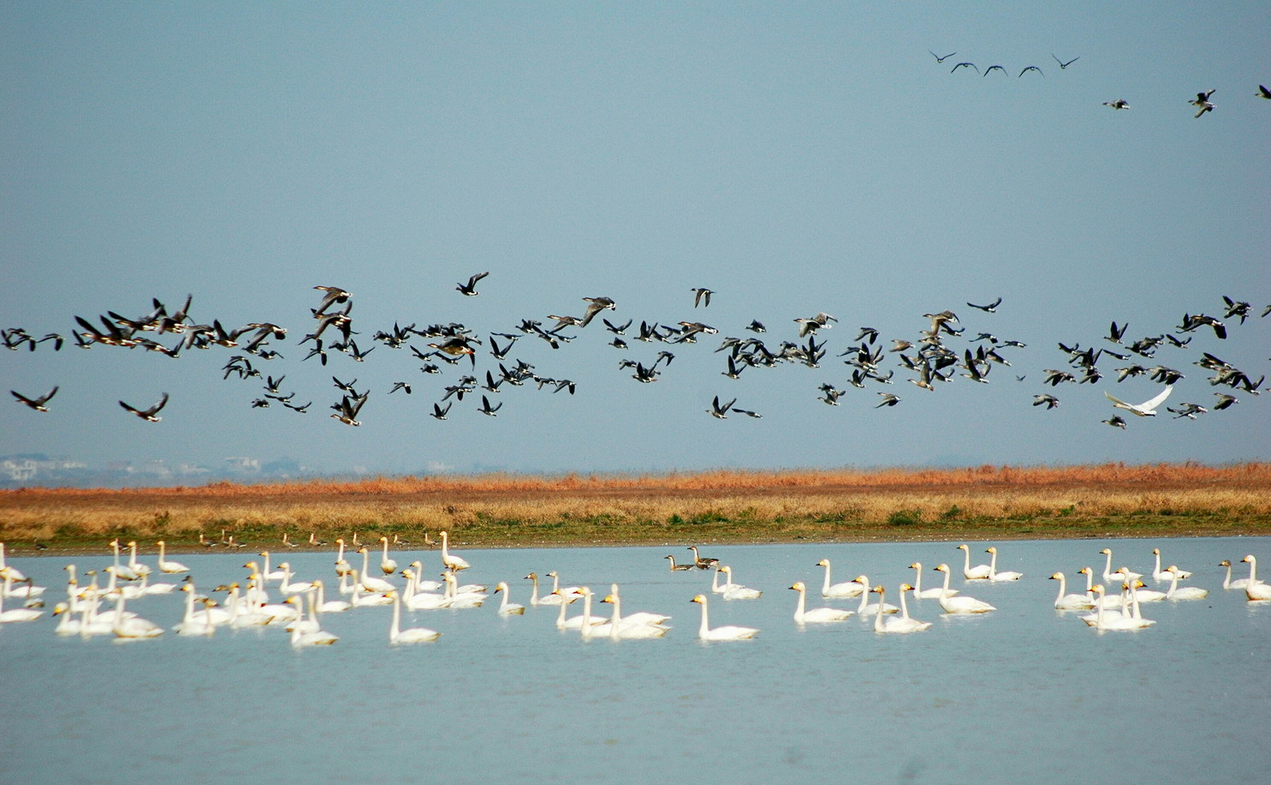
(369, 582)
(27, 592)
(639, 617)
(288, 586)
(1104, 621)
(735, 591)
(816, 615)
(507, 608)
(133, 564)
(1120, 576)
(170, 567)
(1255, 590)
(456, 599)
(994, 574)
(555, 576)
(372, 599)
(418, 600)
(593, 625)
(132, 627)
(332, 606)
(551, 599)
(387, 565)
(1070, 602)
(121, 571)
(960, 604)
(902, 623)
(866, 609)
(979, 572)
(621, 628)
(845, 589)
(1238, 583)
(573, 622)
(926, 594)
(17, 614)
(191, 623)
(1163, 576)
(420, 583)
(7, 571)
(318, 638)
(271, 575)
(243, 613)
(342, 565)
(1186, 592)
(411, 635)
(451, 561)
(727, 633)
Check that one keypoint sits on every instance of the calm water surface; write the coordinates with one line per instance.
(1022, 694)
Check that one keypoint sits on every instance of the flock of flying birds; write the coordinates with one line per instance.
(929, 358)
(1202, 100)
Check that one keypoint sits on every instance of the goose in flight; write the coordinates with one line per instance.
(334, 295)
(1116, 422)
(1120, 103)
(940, 59)
(1062, 64)
(718, 411)
(1049, 401)
(1263, 92)
(966, 65)
(595, 306)
(1201, 102)
(347, 409)
(1031, 68)
(1145, 409)
(992, 68)
(702, 297)
(470, 288)
(888, 399)
(151, 414)
(486, 408)
(991, 307)
(38, 404)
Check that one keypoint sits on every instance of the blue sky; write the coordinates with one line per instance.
(794, 157)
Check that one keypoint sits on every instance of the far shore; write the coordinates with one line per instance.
(715, 507)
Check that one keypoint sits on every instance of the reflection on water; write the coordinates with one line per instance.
(1023, 693)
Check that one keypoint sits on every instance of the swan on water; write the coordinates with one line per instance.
(507, 608)
(387, 565)
(169, 567)
(926, 594)
(1070, 602)
(369, 582)
(979, 572)
(551, 599)
(1104, 621)
(1255, 590)
(1185, 592)
(1238, 583)
(451, 561)
(735, 591)
(639, 625)
(816, 615)
(897, 624)
(841, 590)
(1121, 576)
(994, 574)
(17, 614)
(727, 633)
(866, 609)
(412, 635)
(960, 604)
(1163, 576)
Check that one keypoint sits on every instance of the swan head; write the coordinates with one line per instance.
(553, 574)
(798, 586)
(1099, 590)
(384, 540)
(317, 584)
(1106, 551)
(916, 566)
(609, 598)
(823, 563)
(963, 547)
(339, 540)
(363, 550)
(1156, 551)
(251, 565)
(60, 608)
(861, 579)
(726, 569)
(877, 590)
(533, 576)
(500, 587)
(904, 587)
(1059, 576)
(941, 568)
(1249, 559)
(161, 542)
(1225, 563)
(991, 549)
(699, 599)
(1084, 571)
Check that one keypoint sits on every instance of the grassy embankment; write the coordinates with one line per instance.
(1110, 500)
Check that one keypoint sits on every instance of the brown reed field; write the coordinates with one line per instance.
(508, 510)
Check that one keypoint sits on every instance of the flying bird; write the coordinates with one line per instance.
(1201, 102)
(151, 414)
(966, 65)
(1120, 103)
(470, 288)
(1263, 92)
(702, 297)
(1031, 68)
(940, 59)
(992, 68)
(888, 399)
(718, 411)
(1062, 64)
(1115, 422)
(38, 404)
(1145, 409)
(990, 308)
(1049, 401)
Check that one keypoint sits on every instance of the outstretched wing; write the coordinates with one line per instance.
(1155, 402)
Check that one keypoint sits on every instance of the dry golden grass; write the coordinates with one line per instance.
(1110, 499)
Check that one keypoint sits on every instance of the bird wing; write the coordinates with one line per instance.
(1151, 405)
(1117, 401)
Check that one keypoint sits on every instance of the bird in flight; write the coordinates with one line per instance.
(1201, 102)
(992, 68)
(940, 59)
(720, 411)
(972, 66)
(1120, 103)
(38, 404)
(1263, 92)
(1031, 68)
(151, 414)
(1145, 409)
(702, 297)
(470, 288)
(990, 308)
(1062, 64)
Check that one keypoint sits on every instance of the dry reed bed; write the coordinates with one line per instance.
(506, 508)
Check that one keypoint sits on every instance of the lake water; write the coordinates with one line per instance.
(1021, 694)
